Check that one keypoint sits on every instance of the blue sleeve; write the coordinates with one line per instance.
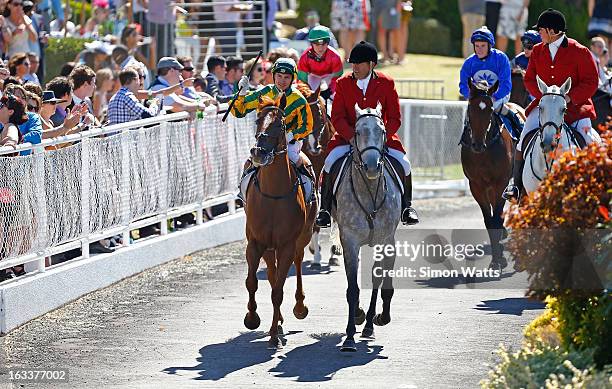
(57, 9)
(464, 89)
(504, 76)
(32, 130)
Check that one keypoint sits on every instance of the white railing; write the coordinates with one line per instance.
(430, 132)
(412, 88)
(111, 180)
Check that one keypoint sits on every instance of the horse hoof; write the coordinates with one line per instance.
(348, 346)
(274, 343)
(367, 332)
(333, 261)
(360, 317)
(335, 250)
(252, 321)
(300, 313)
(381, 320)
(315, 266)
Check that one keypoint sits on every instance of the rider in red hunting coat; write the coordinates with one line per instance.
(366, 88)
(555, 60)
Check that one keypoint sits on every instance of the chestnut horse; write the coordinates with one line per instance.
(278, 219)
(315, 147)
(487, 163)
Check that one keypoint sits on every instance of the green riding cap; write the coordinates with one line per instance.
(319, 34)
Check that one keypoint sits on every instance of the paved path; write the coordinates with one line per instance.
(180, 326)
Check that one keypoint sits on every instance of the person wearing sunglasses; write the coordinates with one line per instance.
(258, 76)
(320, 65)
(529, 40)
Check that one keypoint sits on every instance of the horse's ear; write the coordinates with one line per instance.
(541, 85)
(283, 101)
(493, 89)
(357, 110)
(567, 85)
(260, 100)
(379, 109)
(470, 83)
(317, 92)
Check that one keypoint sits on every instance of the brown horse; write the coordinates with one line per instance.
(278, 219)
(487, 163)
(315, 147)
(519, 94)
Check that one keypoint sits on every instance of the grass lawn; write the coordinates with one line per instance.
(429, 67)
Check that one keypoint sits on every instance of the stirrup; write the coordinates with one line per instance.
(323, 219)
(511, 192)
(409, 216)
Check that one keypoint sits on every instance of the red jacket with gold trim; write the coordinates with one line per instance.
(381, 88)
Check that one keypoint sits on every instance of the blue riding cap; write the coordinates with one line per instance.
(531, 36)
(483, 34)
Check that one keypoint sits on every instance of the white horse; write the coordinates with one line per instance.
(553, 137)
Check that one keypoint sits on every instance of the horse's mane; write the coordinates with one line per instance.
(304, 89)
(554, 89)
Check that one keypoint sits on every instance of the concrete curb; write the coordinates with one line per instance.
(32, 296)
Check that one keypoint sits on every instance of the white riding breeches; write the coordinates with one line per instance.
(339, 151)
(582, 125)
(293, 151)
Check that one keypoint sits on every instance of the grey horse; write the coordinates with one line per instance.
(367, 212)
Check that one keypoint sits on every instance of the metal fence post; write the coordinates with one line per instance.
(85, 153)
(163, 174)
(41, 214)
(124, 185)
(199, 144)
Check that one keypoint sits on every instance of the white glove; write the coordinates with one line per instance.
(243, 85)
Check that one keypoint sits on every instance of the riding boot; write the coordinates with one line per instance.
(514, 190)
(517, 124)
(324, 216)
(409, 215)
(308, 172)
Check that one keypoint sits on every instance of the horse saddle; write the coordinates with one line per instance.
(306, 182)
(513, 125)
(392, 165)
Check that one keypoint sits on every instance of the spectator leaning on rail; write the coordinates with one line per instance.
(490, 65)
(62, 89)
(320, 64)
(554, 62)
(169, 74)
(216, 72)
(31, 129)
(124, 106)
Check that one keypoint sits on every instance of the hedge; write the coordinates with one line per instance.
(59, 51)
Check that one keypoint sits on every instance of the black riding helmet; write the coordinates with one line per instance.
(363, 52)
(551, 18)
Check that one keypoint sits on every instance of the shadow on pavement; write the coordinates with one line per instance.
(319, 361)
(218, 360)
(262, 274)
(510, 306)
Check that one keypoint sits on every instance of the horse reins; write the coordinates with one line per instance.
(370, 216)
(275, 153)
(496, 136)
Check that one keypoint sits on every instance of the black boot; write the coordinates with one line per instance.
(409, 215)
(324, 216)
(514, 190)
(308, 172)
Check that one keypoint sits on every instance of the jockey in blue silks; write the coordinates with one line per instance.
(491, 65)
(529, 39)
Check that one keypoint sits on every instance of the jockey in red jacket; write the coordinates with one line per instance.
(320, 63)
(555, 60)
(366, 88)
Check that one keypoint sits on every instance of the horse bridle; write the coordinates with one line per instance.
(264, 134)
(557, 128)
(469, 124)
(370, 216)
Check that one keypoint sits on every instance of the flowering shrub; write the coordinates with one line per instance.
(549, 230)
